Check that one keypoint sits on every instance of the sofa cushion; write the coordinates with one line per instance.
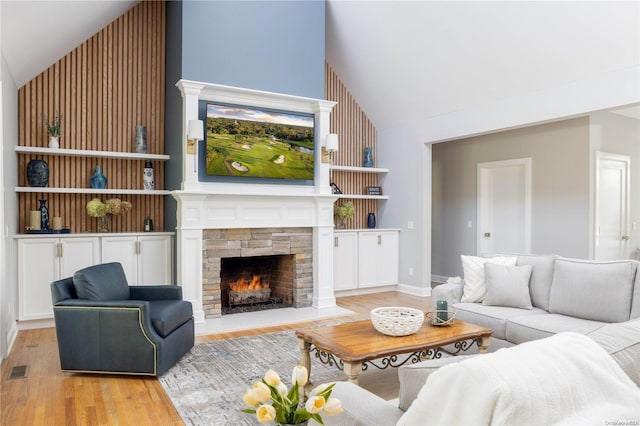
(599, 291)
(167, 315)
(507, 285)
(106, 281)
(494, 317)
(474, 282)
(541, 277)
(622, 342)
(525, 328)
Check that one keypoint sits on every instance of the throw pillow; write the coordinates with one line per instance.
(473, 267)
(507, 285)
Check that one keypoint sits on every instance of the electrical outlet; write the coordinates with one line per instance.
(410, 224)
(410, 272)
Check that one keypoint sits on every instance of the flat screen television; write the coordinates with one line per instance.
(257, 145)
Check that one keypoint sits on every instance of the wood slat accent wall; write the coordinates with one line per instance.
(355, 132)
(103, 89)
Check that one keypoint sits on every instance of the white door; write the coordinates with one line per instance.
(612, 206)
(124, 250)
(504, 206)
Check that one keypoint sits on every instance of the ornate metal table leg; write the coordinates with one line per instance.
(483, 344)
(352, 370)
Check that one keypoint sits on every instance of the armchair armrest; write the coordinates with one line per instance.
(451, 292)
(155, 292)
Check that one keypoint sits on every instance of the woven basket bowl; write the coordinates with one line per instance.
(397, 321)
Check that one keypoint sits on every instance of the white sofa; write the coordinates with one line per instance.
(565, 295)
(598, 299)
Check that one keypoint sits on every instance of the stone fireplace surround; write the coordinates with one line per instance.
(219, 244)
(216, 206)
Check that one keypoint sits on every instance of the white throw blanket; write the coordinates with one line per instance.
(563, 379)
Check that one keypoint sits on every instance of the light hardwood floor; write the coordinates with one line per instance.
(48, 396)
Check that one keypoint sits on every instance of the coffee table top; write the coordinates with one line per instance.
(359, 341)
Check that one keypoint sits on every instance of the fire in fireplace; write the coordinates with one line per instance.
(256, 283)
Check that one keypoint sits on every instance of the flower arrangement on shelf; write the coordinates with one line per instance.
(53, 129)
(343, 212)
(104, 211)
(288, 406)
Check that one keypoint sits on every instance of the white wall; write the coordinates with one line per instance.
(8, 207)
(410, 172)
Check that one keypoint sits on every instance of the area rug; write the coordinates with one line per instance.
(207, 384)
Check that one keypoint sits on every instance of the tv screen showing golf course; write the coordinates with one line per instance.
(258, 143)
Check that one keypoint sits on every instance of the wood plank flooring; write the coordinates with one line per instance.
(47, 396)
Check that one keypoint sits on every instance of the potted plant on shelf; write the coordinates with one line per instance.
(105, 211)
(343, 212)
(53, 129)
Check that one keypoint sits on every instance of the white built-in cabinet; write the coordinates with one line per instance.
(143, 257)
(43, 259)
(365, 258)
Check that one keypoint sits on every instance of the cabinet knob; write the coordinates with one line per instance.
(487, 234)
(379, 239)
(335, 241)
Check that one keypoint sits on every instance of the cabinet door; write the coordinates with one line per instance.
(387, 263)
(38, 267)
(345, 261)
(78, 253)
(368, 254)
(124, 250)
(155, 260)
(378, 258)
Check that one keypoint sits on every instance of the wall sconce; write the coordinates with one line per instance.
(195, 133)
(331, 144)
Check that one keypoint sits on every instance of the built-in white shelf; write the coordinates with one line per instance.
(89, 153)
(363, 196)
(91, 190)
(359, 169)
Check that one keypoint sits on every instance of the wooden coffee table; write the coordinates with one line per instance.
(354, 345)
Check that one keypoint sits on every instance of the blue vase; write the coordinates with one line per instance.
(368, 156)
(44, 215)
(97, 179)
(37, 173)
(371, 220)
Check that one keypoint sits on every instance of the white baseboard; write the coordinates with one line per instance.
(11, 337)
(367, 290)
(415, 291)
(31, 324)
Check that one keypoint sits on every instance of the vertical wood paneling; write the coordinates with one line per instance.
(103, 88)
(355, 131)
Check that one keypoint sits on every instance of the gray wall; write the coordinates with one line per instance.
(560, 216)
(275, 46)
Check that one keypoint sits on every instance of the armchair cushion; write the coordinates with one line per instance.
(101, 282)
(168, 315)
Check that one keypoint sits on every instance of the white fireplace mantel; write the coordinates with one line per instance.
(213, 205)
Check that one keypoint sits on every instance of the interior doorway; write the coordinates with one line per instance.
(612, 196)
(504, 206)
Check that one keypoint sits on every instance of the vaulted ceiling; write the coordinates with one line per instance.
(404, 61)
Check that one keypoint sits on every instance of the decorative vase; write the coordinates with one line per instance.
(54, 142)
(140, 144)
(148, 224)
(342, 222)
(104, 223)
(44, 215)
(147, 177)
(368, 156)
(97, 179)
(371, 220)
(37, 173)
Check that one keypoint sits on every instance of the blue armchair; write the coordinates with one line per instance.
(105, 325)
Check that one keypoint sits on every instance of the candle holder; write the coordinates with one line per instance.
(438, 317)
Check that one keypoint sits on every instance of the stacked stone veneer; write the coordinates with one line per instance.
(222, 243)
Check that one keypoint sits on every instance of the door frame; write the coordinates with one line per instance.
(482, 168)
(599, 157)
